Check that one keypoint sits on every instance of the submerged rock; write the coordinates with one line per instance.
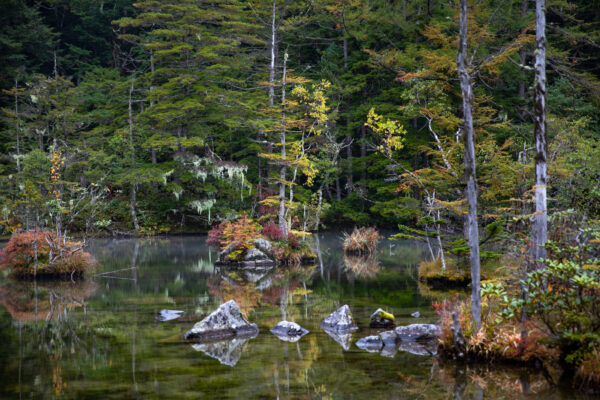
(339, 321)
(227, 352)
(372, 344)
(382, 319)
(225, 322)
(168, 315)
(389, 351)
(418, 332)
(288, 331)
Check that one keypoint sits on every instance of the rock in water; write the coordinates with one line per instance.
(263, 245)
(225, 322)
(227, 352)
(416, 314)
(418, 332)
(372, 344)
(382, 319)
(255, 254)
(339, 321)
(389, 338)
(168, 315)
(288, 331)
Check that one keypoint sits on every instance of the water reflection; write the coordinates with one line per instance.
(100, 338)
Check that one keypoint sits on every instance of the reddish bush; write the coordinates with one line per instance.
(54, 257)
(216, 234)
(293, 241)
(272, 232)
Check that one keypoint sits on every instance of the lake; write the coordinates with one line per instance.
(104, 338)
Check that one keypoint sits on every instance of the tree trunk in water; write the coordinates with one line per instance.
(282, 221)
(540, 224)
(470, 173)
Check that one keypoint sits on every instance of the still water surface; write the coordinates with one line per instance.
(103, 338)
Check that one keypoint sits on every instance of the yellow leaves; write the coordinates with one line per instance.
(391, 133)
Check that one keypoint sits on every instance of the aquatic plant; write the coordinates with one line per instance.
(362, 240)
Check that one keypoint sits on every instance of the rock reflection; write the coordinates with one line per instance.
(227, 352)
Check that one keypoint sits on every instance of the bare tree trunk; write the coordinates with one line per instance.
(272, 48)
(470, 173)
(521, 86)
(363, 156)
(282, 173)
(132, 189)
(540, 224)
(152, 149)
(350, 178)
(17, 125)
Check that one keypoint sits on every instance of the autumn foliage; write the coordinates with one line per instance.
(361, 241)
(53, 259)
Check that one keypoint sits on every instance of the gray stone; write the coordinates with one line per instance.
(225, 322)
(372, 344)
(255, 254)
(227, 352)
(168, 315)
(288, 331)
(418, 332)
(263, 245)
(225, 252)
(416, 314)
(389, 351)
(340, 320)
(389, 338)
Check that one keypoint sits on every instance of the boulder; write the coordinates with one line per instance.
(263, 245)
(255, 254)
(225, 322)
(418, 332)
(389, 338)
(382, 319)
(227, 352)
(339, 321)
(226, 251)
(168, 315)
(416, 314)
(288, 331)
(372, 344)
(389, 351)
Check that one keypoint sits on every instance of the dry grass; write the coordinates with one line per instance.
(362, 266)
(588, 372)
(361, 241)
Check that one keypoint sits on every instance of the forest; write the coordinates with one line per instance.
(469, 127)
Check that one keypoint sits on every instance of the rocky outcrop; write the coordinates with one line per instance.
(263, 245)
(168, 315)
(225, 322)
(382, 319)
(339, 321)
(227, 352)
(288, 331)
(418, 332)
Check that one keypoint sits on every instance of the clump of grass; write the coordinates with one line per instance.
(433, 274)
(361, 241)
(588, 372)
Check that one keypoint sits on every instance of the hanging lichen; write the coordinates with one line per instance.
(202, 205)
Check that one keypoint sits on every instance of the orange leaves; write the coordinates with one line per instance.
(57, 164)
